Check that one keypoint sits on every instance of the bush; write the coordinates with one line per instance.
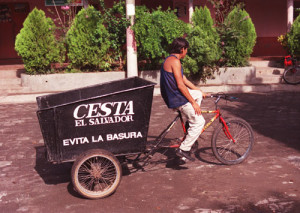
(239, 37)
(88, 41)
(204, 48)
(154, 32)
(293, 38)
(36, 43)
(116, 24)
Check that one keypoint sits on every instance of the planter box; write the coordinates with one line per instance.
(67, 81)
(231, 75)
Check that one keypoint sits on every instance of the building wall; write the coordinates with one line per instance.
(268, 16)
(182, 6)
(12, 15)
(270, 20)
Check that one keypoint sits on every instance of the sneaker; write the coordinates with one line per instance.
(185, 154)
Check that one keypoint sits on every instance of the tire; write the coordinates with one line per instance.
(227, 151)
(96, 174)
(292, 75)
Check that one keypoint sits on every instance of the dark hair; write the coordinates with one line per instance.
(178, 44)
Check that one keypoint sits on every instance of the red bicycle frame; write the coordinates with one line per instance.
(221, 119)
(217, 115)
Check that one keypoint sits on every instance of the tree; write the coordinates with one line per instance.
(204, 49)
(116, 24)
(88, 41)
(154, 32)
(293, 38)
(239, 37)
(36, 43)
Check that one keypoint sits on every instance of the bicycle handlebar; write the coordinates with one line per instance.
(218, 96)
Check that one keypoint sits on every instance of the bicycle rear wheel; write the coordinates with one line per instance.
(292, 75)
(227, 151)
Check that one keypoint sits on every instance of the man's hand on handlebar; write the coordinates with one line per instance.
(224, 96)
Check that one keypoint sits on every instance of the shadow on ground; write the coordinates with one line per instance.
(49, 172)
(274, 115)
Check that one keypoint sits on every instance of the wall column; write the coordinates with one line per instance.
(191, 10)
(290, 14)
(132, 68)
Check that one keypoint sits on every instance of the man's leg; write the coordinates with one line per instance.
(196, 122)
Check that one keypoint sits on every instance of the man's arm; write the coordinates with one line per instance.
(192, 86)
(182, 86)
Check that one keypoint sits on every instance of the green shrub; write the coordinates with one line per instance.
(293, 38)
(36, 43)
(239, 37)
(88, 41)
(204, 48)
(154, 32)
(116, 24)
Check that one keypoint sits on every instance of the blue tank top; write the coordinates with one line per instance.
(169, 89)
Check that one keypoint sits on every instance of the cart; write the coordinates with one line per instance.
(90, 126)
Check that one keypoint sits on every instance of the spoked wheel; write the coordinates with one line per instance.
(292, 75)
(232, 152)
(96, 174)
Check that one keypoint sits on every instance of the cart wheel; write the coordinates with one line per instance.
(96, 174)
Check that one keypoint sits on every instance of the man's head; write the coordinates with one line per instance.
(179, 45)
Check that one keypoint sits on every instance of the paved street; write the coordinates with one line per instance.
(269, 181)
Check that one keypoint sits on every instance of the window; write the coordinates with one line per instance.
(181, 9)
(21, 8)
(5, 14)
(63, 2)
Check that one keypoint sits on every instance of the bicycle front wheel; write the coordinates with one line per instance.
(232, 152)
(292, 75)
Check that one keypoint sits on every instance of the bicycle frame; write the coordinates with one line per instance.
(163, 134)
(217, 113)
(221, 120)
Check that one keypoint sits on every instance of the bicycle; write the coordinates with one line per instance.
(291, 73)
(232, 140)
